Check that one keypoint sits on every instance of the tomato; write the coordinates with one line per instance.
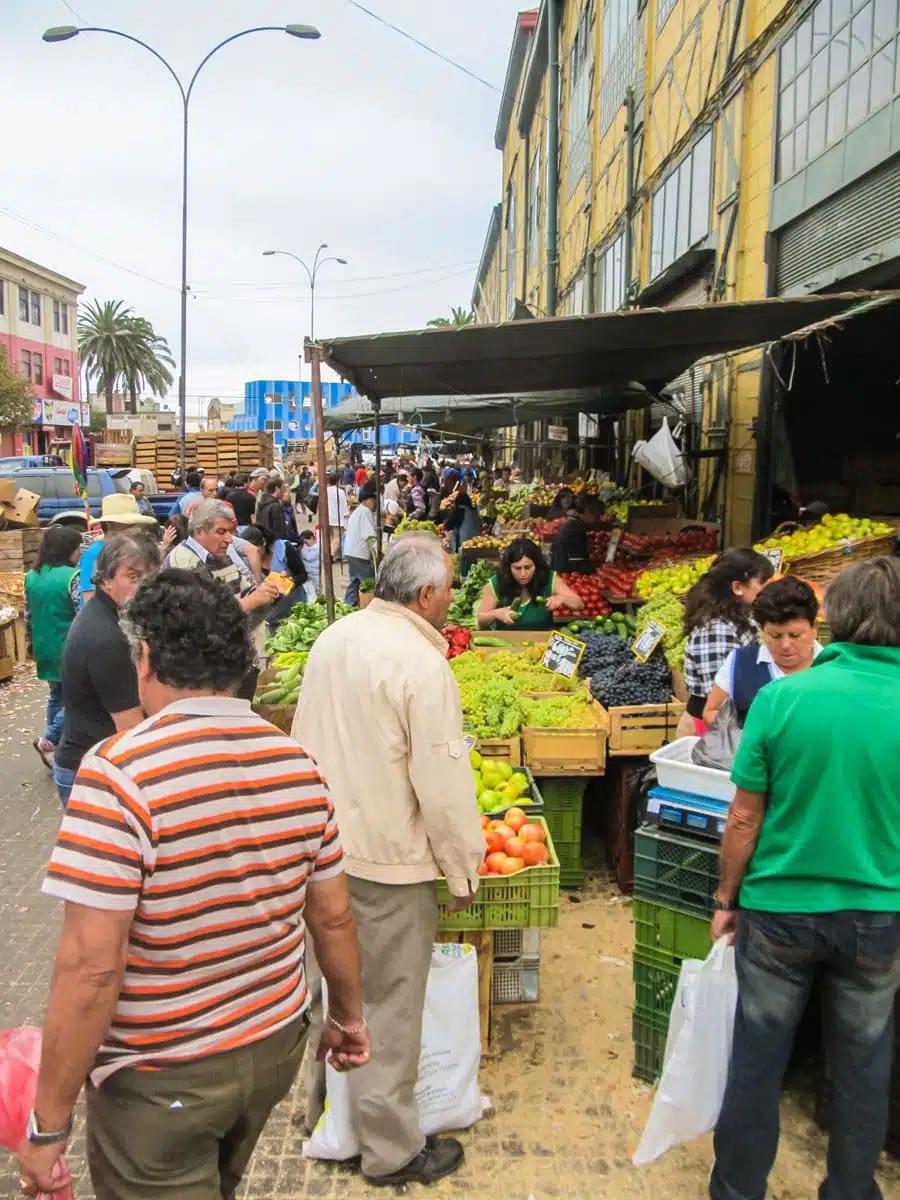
(532, 832)
(483, 870)
(514, 847)
(503, 830)
(512, 865)
(494, 862)
(535, 854)
(496, 841)
(515, 818)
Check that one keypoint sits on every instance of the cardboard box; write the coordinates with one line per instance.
(22, 513)
(7, 491)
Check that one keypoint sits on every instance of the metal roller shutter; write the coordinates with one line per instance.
(689, 382)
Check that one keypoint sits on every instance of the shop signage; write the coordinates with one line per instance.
(64, 412)
(557, 433)
(774, 557)
(62, 385)
(563, 655)
(648, 641)
(37, 412)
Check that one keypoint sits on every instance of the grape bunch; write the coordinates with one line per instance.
(604, 652)
(633, 683)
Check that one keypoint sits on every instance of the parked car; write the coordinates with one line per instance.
(31, 460)
(58, 504)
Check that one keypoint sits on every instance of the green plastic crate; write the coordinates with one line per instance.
(528, 900)
(568, 853)
(563, 805)
(573, 877)
(675, 871)
(648, 1032)
(666, 936)
(654, 988)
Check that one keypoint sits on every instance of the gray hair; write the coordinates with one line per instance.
(124, 549)
(205, 513)
(414, 561)
(862, 605)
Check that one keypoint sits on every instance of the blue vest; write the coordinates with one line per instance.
(748, 678)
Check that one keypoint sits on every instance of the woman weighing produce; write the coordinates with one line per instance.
(525, 593)
(717, 620)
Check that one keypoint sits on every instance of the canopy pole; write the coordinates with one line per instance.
(376, 408)
(314, 358)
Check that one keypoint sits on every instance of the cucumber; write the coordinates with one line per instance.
(271, 697)
(489, 641)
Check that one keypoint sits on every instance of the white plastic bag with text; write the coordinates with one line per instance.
(662, 458)
(447, 1089)
(698, 1049)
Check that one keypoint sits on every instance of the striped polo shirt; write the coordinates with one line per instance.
(206, 823)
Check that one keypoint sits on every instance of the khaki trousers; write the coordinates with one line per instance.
(188, 1130)
(396, 926)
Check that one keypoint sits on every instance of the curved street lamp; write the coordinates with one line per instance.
(318, 262)
(63, 33)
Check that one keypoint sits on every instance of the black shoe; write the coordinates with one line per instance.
(441, 1156)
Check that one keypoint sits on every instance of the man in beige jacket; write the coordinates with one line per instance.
(380, 712)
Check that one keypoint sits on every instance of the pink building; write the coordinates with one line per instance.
(37, 333)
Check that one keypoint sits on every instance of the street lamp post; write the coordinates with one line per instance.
(312, 275)
(63, 33)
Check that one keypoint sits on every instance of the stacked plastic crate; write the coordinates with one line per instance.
(563, 809)
(517, 966)
(675, 879)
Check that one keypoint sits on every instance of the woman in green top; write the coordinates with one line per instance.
(52, 598)
(525, 593)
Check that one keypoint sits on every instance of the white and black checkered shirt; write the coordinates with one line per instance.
(707, 648)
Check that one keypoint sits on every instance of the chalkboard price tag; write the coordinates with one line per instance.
(562, 656)
(648, 641)
(774, 557)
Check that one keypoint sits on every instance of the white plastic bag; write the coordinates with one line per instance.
(698, 1049)
(662, 458)
(447, 1089)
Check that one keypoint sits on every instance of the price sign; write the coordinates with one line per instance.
(648, 641)
(563, 655)
(774, 557)
(613, 546)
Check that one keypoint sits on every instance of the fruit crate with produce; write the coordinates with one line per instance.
(641, 710)
(278, 689)
(564, 735)
(498, 784)
(820, 552)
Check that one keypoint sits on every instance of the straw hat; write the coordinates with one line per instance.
(123, 510)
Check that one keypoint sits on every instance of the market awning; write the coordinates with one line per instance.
(475, 414)
(556, 354)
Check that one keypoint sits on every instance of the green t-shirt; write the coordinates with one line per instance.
(824, 745)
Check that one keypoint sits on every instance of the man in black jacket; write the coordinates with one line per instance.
(270, 511)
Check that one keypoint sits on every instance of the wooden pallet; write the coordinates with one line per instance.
(19, 549)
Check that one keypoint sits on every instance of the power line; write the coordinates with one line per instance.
(237, 298)
(280, 283)
(77, 15)
(424, 46)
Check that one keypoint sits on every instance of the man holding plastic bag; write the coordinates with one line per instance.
(812, 850)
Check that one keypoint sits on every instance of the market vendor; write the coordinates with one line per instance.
(571, 552)
(717, 620)
(563, 501)
(786, 611)
(524, 594)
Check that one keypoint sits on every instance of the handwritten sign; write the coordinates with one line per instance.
(562, 656)
(648, 641)
(774, 557)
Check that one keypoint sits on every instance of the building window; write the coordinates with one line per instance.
(581, 61)
(619, 57)
(37, 361)
(511, 252)
(272, 426)
(57, 366)
(35, 308)
(611, 282)
(25, 361)
(64, 309)
(23, 304)
(681, 207)
(56, 316)
(533, 232)
(664, 10)
(835, 69)
(66, 367)
(2, 298)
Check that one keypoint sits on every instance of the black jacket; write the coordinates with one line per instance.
(270, 516)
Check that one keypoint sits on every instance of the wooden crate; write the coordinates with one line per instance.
(640, 729)
(483, 941)
(506, 749)
(12, 590)
(19, 549)
(580, 751)
(7, 651)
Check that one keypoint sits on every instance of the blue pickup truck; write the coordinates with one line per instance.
(60, 506)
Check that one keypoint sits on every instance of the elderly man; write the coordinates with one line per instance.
(380, 712)
(810, 881)
(99, 686)
(210, 549)
(195, 851)
(360, 543)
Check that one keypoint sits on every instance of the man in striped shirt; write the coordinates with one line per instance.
(196, 849)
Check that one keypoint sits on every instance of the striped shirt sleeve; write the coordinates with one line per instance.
(104, 843)
(329, 860)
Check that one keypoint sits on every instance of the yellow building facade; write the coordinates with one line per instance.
(663, 184)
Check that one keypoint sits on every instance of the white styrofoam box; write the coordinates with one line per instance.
(676, 770)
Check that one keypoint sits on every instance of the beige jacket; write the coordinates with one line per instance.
(379, 710)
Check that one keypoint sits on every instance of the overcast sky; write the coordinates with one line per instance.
(362, 140)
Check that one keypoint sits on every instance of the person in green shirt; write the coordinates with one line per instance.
(809, 890)
(52, 598)
(525, 593)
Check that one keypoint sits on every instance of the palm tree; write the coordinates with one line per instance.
(457, 319)
(119, 348)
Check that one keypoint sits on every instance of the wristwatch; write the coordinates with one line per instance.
(37, 1137)
(725, 905)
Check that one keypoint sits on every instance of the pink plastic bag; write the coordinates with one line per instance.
(20, 1058)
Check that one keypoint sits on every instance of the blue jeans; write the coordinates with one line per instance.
(63, 778)
(359, 569)
(855, 958)
(53, 732)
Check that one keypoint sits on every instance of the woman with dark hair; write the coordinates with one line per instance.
(786, 611)
(462, 522)
(52, 599)
(525, 593)
(563, 501)
(717, 620)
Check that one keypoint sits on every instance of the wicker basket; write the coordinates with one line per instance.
(822, 566)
